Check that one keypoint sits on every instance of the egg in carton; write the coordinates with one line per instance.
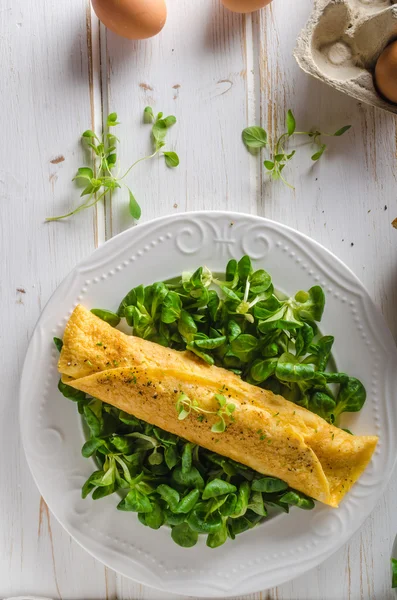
(342, 42)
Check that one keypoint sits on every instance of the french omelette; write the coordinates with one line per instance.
(267, 433)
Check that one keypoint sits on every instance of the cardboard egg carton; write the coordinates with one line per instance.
(342, 42)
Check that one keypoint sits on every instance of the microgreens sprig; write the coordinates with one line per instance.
(224, 412)
(256, 138)
(100, 178)
(184, 406)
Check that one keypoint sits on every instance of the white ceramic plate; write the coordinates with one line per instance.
(52, 434)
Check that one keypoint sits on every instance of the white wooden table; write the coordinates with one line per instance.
(217, 72)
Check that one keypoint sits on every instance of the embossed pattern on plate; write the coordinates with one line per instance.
(52, 431)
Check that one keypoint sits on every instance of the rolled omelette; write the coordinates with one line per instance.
(267, 433)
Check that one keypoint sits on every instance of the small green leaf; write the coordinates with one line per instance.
(210, 343)
(244, 267)
(111, 160)
(200, 522)
(135, 501)
(92, 446)
(112, 139)
(214, 540)
(110, 475)
(269, 164)
(134, 208)
(228, 508)
(351, 397)
(89, 134)
(103, 491)
(221, 399)
(94, 148)
(171, 456)
(217, 487)
(291, 123)
(190, 479)
(94, 422)
(184, 536)
(91, 483)
(172, 307)
(342, 130)
(171, 159)
(254, 137)
(172, 518)
(155, 518)
(169, 495)
(159, 130)
(182, 413)
(96, 183)
(88, 191)
(106, 315)
(122, 444)
(234, 330)
(84, 173)
(188, 502)
(112, 120)
(58, 343)
(263, 369)
(219, 426)
(243, 496)
(156, 458)
(70, 393)
(269, 485)
(320, 152)
(244, 345)
(256, 504)
(310, 304)
(297, 499)
(322, 404)
(291, 370)
(148, 116)
(187, 458)
(170, 121)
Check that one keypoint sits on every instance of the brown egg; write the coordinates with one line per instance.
(245, 6)
(386, 72)
(133, 19)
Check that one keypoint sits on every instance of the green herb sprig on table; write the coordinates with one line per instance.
(100, 179)
(256, 138)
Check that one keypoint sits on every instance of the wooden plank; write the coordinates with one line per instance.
(195, 69)
(346, 202)
(198, 69)
(217, 72)
(47, 94)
